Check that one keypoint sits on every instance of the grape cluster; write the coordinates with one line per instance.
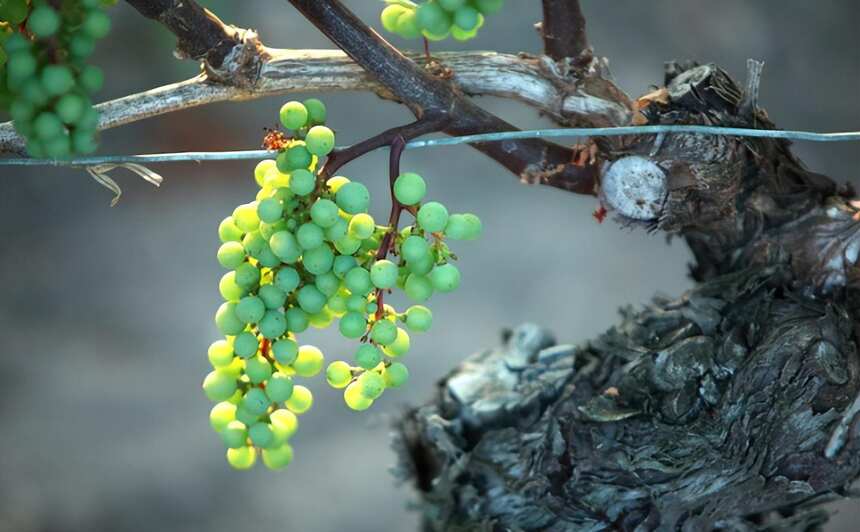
(306, 253)
(45, 81)
(437, 19)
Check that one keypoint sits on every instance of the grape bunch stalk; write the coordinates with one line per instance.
(306, 253)
(45, 81)
(435, 20)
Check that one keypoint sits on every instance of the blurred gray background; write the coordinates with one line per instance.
(106, 313)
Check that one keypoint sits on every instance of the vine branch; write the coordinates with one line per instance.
(563, 31)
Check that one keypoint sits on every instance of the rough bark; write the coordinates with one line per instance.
(731, 408)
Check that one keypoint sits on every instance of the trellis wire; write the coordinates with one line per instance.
(851, 136)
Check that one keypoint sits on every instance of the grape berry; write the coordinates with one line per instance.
(437, 19)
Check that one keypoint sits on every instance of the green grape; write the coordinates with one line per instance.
(335, 183)
(273, 324)
(418, 288)
(220, 354)
(389, 17)
(96, 24)
(221, 415)
(320, 141)
(337, 305)
(383, 274)
(353, 325)
(419, 318)
(356, 303)
(354, 399)
(59, 146)
(246, 217)
(234, 369)
(488, 7)
(32, 92)
(247, 275)
(234, 434)
(287, 279)
(284, 424)
(310, 299)
(219, 385)
(262, 168)
(242, 458)
(48, 126)
(414, 249)
(285, 351)
(409, 188)
(228, 231)
(260, 434)
(309, 362)
(254, 244)
(279, 387)
(70, 108)
(245, 344)
(83, 141)
(297, 320)
(296, 157)
(309, 236)
(91, 78)
(407, 25)
(361, 226)
(372, 384)
(432, 217)
(400, 346)
(324, 213)
(255, 401)
(474, 227)
(337, 231)
(258, 369)
(327, 283)
(338, 374)
(231, 255)
(270, 210)
(318, 261)
(294, 115)
(244, 415)
(433, 19)
(226, 320)
(285, 247)
(278, 458)
(368, 356)
(353, 198)
(467, 18)
(57, 79)
(301, 400)
(347, 245)
(383, 332)
(358, 281)
(43, 22)
(316, 111)
(302, 181)
(445, 278)
(228, 288)
(342, 265)
(451, 5)
(267, 230)
(321, 319)
(395, 375)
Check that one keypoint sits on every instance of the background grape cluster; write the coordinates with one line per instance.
(306, 253)
(437, 19)
(45, 81)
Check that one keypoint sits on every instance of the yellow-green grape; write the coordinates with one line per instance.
(338, 374)
(235, 434)
(301, 400)
(316, 111)
(361, 226)
(354, 399)
(246, 217)
(226, 320)
(418, 288)
(353, 197)
(260, 434)
(383, 332)
(258, 369)
(335, 183)
(284, 424)
(273, 324)
(234, 369)
(368, 356)
(357, 280)
(221, 415)
(321, 320)
(242, 458)
(263, 167)
(297, 320)
(445, 278)
(272, 296)
(383, 274)
(302, 181)
(253, 243)
(285, 351)
(320, 141)
(231, 255)
(278, 457)
(219, 385)
(372, 384)
(228, 230)
(285, 247)
(324, 213)
(342, 265)
(432, 217)
(309, 361)
(400, 346)
(409, 188)
(245, 344)
(353, 325)
(389, 17)
(255, 401)
(294, 115)
(337, 305)
(287, 279)
(347, 245)
(419, 318)
(220, 354)
(395, 375)
(228, 288)
(407, 25)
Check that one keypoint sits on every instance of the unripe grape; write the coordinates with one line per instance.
(91, 78)
(221, 415)
(467, 18)
(264, 166)
(254, 243)
(354, 399)
(301, 400)
(389, 17)
(235, 433)
(310, 235)
(368, 356)
(383, 274)
(395, 375)
(246, 217)
(250, 309)
(270, 210)
(337, 305)
(302, 181)
(20, 67)
(260, 434)
(407, 25)
(432, 18)
(361, 226)
(296, 157)
(409, 188)
(284, 424)
(245, 344)
(294, 115)
(327, 283)
(419, 318)
(321, 320)
(47, 126)
(244, 416)
(247, 275)
(285, 247)
(474, 227)
(57, 79)
(353, 198)
(258, 369)
(400, 346)
(338, 374)
(70, 108)
(320, 141)
(335, 183)
(372, 384)
(43, 22)
(219, 385)
(96, 24)
(231, 255)
(342, 265)
(287, 279)
(255, 401)
(83, 142)
(297, 320)
(285, 351)
(228, 288)
(310, 299)
(324, 213)
(418, 288)
(414, 249)
(337, 231)
(272, 296)
(226, 320)
(316, 111)
(58, 147)
(242, 458)
(358, 281)
(278, 457)
(488, 7)
(347, 245)
(383, 332)
(318, 261)
(451, 5)
(353, 325)
(228, 231)
(432, 217)
(220, 354)
(273, 324)
(445, 278)
(309, 362)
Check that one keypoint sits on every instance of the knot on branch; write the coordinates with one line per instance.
(241, 65)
